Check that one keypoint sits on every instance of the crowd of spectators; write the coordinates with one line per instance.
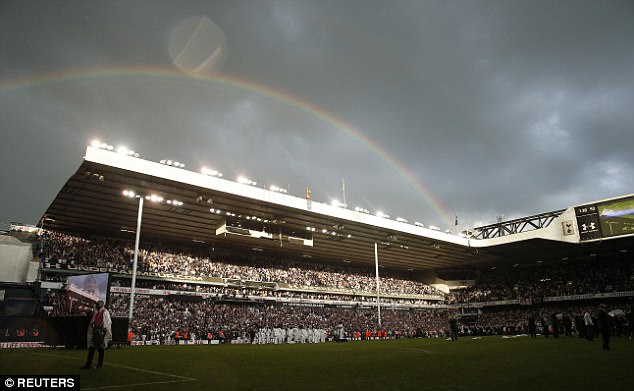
(577, 277)
(160, 317)
(550, 321)
(525, 283)
(240, 319)
(232, 309)
(228, 292)
(107, 253)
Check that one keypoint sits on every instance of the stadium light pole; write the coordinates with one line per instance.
(378, 285)
(140, 197)
(136, 256)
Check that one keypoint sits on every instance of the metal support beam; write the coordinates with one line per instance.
(516, 226)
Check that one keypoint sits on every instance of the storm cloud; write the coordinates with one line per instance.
(427, 109)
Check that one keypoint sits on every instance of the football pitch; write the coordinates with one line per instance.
(489, 363)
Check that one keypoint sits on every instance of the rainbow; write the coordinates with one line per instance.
(246, 85)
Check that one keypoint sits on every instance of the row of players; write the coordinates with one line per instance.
(279, 335)
(263, 336)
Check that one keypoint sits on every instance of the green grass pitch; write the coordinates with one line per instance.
(490, 363)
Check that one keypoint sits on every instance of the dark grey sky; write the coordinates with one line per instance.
(427, 109)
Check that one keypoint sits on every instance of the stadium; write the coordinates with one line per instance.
(213, 283)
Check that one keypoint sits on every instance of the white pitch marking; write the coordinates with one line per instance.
(180, 379)
(136, 384)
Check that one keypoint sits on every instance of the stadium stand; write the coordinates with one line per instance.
(221, 257)
(72, 250)
(240, 306)
(554, 279)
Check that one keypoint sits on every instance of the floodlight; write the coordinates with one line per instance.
(210, 172)
(99, 144)
(278, 189)
(129, 193)
(154, 198)
(246, 181)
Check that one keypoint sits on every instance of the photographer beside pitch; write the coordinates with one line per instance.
(99, 335)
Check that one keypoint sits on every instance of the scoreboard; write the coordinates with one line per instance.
(588, 222)
(606, 219)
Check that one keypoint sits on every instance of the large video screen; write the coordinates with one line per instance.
(617, 217)
(83, 292)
